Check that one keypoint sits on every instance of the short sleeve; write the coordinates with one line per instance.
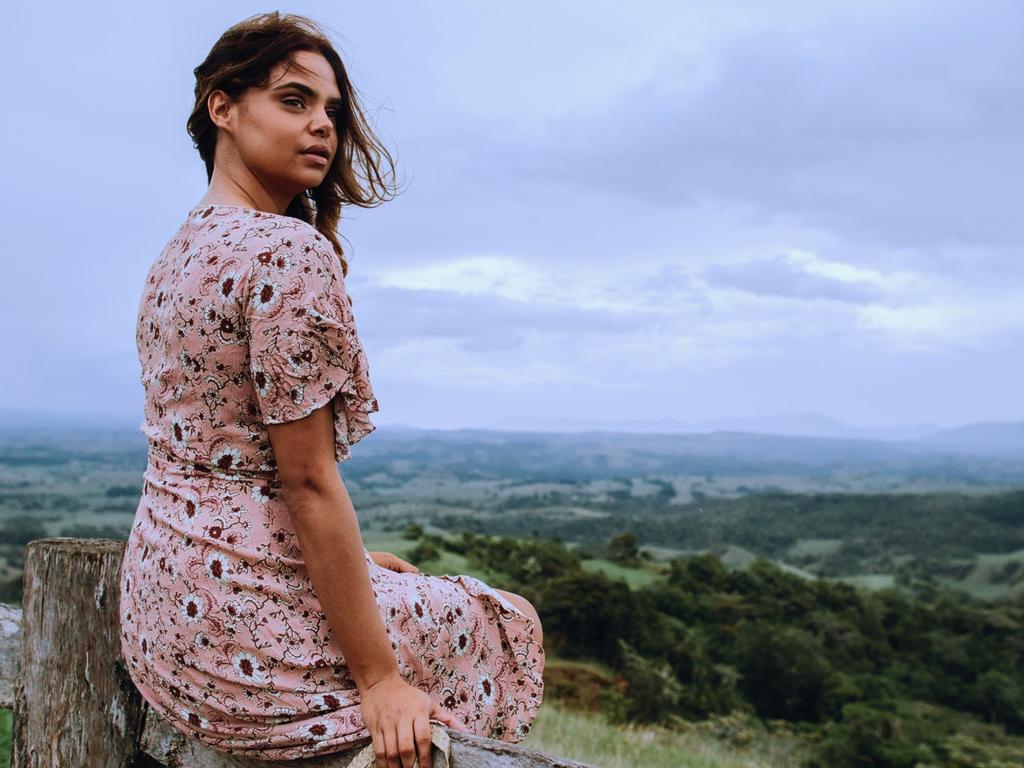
(303, 347)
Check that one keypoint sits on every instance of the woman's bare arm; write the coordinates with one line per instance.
(332, 547)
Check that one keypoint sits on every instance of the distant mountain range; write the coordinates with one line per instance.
(1001, 438)
(986, 437)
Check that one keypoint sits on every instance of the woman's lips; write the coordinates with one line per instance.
(319, 159)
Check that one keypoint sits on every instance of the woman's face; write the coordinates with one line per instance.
(273, 129)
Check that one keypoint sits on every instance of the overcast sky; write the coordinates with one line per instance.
(612, 212)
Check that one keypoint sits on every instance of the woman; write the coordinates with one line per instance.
(252, 616)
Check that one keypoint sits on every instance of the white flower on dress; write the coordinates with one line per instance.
(318, 730)
(248, 667)
(211, 314)
(233, 611)
(179, 430)
(260, 380)
(227, 285)
(297, 394)
(330, 701)
(265, 295)
(227, 458)
(190, 503)
(179, 390)
(259, 493)
(460, 643)
(281, 261)
(201, 640)
(485, 690)
(193, 719)
(191, 365)
(217, 565)
(419, 610)
(193, 607)
(522, 729)
(172, 570)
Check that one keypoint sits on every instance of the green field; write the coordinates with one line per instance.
(717, 600)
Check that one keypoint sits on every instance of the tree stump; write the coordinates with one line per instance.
(74, 704)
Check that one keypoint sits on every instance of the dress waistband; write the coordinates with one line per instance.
(164, 461)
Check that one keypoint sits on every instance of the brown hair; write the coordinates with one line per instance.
(243, 58)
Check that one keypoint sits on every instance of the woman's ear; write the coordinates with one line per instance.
(219, 105)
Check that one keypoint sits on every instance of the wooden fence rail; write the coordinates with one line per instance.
(62, 672)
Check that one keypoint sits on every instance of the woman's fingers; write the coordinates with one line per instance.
(393, 562)
(400, 565)
(380, 749)
(421, 730)
(447, 717)
(406, 744)
(391, 749)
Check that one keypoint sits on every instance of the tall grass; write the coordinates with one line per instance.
(592, 739)
(6, 722)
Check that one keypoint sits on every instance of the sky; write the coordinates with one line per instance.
(613, 214)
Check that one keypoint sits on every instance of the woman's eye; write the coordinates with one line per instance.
(290, 99)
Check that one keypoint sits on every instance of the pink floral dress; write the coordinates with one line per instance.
(244, 321)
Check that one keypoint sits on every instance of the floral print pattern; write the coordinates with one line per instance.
(244, 321)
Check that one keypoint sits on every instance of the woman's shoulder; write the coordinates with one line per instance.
(218, 215)
(259, 237)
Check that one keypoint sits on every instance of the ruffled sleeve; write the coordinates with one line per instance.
(303, 347)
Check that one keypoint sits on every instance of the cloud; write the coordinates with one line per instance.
(769, 277)
(800, 274)
(483, 304)
(904, 128)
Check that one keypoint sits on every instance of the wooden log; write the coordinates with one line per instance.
(74, 704)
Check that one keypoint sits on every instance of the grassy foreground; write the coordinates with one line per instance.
(590, 738)
(6, 721)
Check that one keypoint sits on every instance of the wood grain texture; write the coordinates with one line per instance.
(73, 702)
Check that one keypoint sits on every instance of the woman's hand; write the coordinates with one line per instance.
(398, 717)
(392, 562)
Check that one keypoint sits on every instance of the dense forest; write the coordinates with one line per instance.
(874, 532)
(876, 678)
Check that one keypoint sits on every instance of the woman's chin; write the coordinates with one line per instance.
(298, 183)
(313, 178)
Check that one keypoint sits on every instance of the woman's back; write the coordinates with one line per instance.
(243, 316)
(229, 268)
(244, 322)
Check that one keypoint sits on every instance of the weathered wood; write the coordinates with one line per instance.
(171, 748)
(477, 752)
(10, 652)
(73, 705)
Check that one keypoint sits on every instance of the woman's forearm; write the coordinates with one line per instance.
(332, 548)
